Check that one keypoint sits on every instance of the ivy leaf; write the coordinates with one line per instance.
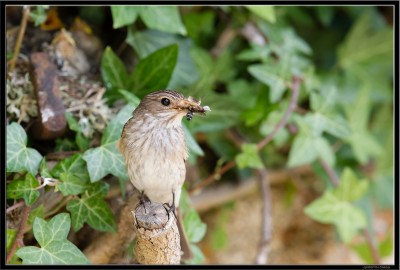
(113, 71)
(265, 12)
(154, 72)
(192, 145)
(37, 212)
(249, 157)
(19, 157)
(147, 42)
(92, 208)
(74, 165)
(221, 116)
(164, 18)
(71, 184)
(335, 206)
(38, 14)
(82, 142)
(364, 44)
(44, 170)
(25, 189)
(361, 140)
(330, 209)
(130, 97)
(307, 148)
(194, 227)
(106, 158)
(271, 76)
(11, 233)
(55, 248)
(350, 188)
(124, 15)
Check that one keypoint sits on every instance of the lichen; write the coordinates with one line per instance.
(21, 102)
(84, 99)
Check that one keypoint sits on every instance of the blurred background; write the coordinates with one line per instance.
(293, 165)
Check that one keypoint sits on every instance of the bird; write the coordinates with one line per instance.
(153, 145)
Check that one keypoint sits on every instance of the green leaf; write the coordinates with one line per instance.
(198, 256)
(113, 71)
(55, 248)
(350, 188)
(71, 184)
(249, 157)
(364, 43)
(147, 42)
(199, 26)
(38, 14)
(265, 12)
(164, 18)
(193, 147)
(330, 209)
(361, 140)
(130, 98)
(270, 76)
(44, 170)
(124, 15)
(154, 72)
(25, 189)
(11, 233)
(19, 157)
(335, 206)
(307, 148)
(74, 165)
(37, 212)
(222, 115)
(92, 208)
(194, 227)
(106, 158)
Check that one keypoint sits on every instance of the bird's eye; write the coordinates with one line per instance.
(165, 101)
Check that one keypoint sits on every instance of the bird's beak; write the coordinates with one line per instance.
(192, 105)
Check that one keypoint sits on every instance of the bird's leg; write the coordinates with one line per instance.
(143, 199)
(171, 207)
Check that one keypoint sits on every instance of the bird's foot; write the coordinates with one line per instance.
(171, 207)
(142, 200)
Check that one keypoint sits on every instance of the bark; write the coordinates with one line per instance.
(157, 240)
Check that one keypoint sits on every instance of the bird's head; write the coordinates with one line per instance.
(170, 106)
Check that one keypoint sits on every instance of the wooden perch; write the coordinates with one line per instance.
(157, 235)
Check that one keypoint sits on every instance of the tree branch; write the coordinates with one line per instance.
(20, 234)
(285, 118)
(158, 240)
(15, 206)
(21, 34)
(266, 233)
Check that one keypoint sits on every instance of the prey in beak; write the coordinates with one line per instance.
(192, 106)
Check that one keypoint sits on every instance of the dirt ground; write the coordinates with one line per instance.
(296, 239)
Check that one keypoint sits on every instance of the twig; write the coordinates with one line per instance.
(20, 234)
(215, 196)
(213, 177)
(374, 251)
(60, 155)
(331, 173)
(21, 34)
(261, 144)
(224, 40)
(15, 206)
(335, 181)
(285, 118)
(266, 233)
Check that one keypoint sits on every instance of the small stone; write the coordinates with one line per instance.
(51, 121)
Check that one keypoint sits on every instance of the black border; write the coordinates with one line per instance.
(395, 4)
